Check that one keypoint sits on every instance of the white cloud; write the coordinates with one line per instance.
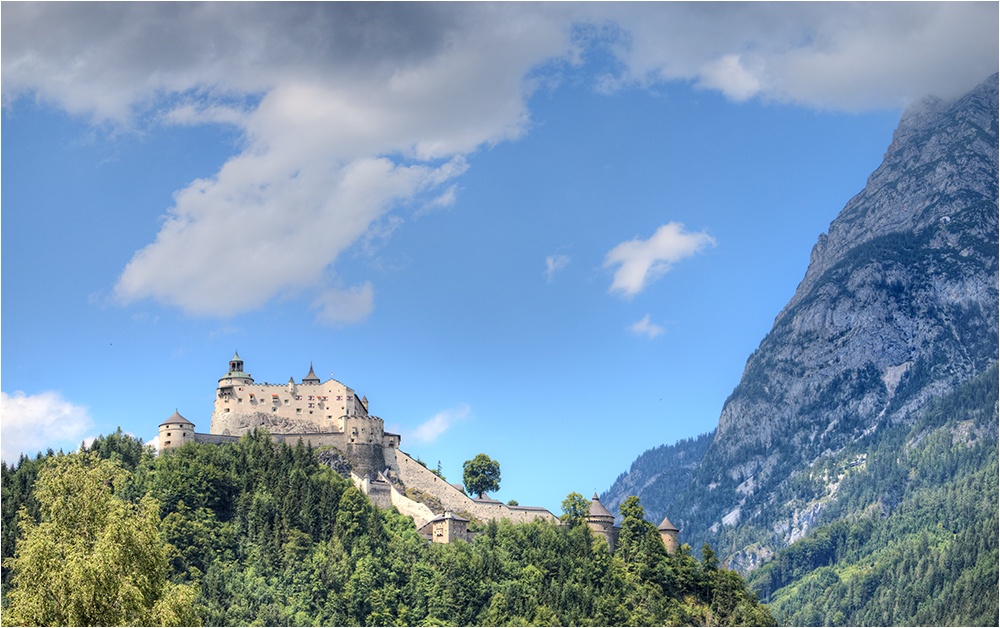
(651, 330)
(32, 423)
(428, 431)
(348, 111)
(641, 262)
(554, 263)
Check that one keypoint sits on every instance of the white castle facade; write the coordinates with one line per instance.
(322, 413)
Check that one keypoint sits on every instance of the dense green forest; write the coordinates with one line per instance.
(912, 537)
(254, 533)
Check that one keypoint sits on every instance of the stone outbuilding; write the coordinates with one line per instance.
(446, 528)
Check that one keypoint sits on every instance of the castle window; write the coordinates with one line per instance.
(166, 443)
(185, 434)
(168, 433)
(298, 410)
(227, 409)
(239, 400)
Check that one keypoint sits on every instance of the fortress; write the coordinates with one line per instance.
(330, 416)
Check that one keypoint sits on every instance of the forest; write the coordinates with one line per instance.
(253, 533)
(912, 537)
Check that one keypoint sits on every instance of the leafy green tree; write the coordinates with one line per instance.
(93, 559)
(575, 510)
(481, 475)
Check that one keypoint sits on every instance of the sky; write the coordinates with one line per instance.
(551, 233)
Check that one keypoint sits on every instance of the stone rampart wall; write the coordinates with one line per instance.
(415, 475)
(215, 439)
(407, 507)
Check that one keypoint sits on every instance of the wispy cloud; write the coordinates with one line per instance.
(428, 431)
(555, 263)
(644, 327)
(641, 262)
(32, 423)
(342, 307)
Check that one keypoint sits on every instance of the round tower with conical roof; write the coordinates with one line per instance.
(175, 431)
(602, 522)
(669, 532)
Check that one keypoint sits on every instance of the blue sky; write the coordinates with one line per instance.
(549, 233)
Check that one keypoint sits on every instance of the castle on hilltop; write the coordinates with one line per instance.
(330, 416)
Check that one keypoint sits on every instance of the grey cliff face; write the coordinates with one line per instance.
(899, 304)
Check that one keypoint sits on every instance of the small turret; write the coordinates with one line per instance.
(311, 377)
(236, 374)
(236, 364)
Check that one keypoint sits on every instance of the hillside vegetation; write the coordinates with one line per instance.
(924, 551)
(266, 535)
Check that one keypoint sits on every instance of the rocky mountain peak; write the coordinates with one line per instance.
(899, 305)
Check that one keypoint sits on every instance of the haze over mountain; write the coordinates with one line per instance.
(899, 305)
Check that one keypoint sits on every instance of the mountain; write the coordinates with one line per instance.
(898, 307)
(658, 475)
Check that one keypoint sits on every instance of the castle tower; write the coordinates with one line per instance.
(668, 532)
(175, 431)
(310, 378)
(602, 523)
(236, 375)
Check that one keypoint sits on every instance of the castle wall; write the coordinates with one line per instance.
(215, 439)
(408, 508)
(415, 475)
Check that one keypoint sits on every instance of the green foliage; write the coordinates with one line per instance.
(924, 549)
(575, 510)
(262, 534)
(93, 558)
(481, 475)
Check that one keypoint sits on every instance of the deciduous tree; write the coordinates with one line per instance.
(481, 475)
(93, 559)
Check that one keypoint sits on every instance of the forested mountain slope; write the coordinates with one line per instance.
(658, 476)
(899, 306)
(912, 539)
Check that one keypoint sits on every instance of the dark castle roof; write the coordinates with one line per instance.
(311, 377)
(597, 509)
(178, 419)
